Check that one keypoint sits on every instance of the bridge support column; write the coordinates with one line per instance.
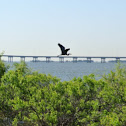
(88, 60)
(48, 59)
(74, 59)
(22, 58)
(117, 60)
(102, 60)
(35, 59)
(61, 59)
(10, 58)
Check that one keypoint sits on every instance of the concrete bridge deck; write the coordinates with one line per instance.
(61, 58)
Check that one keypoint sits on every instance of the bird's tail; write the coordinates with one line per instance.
(69, 54)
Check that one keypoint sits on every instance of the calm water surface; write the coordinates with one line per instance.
(67, 71)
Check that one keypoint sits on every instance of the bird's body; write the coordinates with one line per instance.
(63, 50)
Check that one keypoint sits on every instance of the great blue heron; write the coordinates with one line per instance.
(63, 50)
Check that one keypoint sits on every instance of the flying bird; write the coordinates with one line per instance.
(63, 50)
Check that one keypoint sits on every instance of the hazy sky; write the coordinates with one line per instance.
(87, 27)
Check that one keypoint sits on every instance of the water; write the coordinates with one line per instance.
(67, 71)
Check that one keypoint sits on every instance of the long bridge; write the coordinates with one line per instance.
(61, 58)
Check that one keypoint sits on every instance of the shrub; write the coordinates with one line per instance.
(3, 68)
(30, 98)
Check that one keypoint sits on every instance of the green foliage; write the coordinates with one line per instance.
(3, 67)
(32, 99)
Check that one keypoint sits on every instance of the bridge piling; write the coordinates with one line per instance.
(61, 59)
(74, 59)
(88, 59)
(22, 58)
(35, 59)
(117, 59)
(102, 60)
(10, 58)
(48, 59)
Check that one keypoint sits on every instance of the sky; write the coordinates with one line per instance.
(87, 27)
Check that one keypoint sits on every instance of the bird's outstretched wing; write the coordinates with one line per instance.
(61, 47)
(67, 49)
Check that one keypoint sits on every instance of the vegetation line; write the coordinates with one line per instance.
(32, 99)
